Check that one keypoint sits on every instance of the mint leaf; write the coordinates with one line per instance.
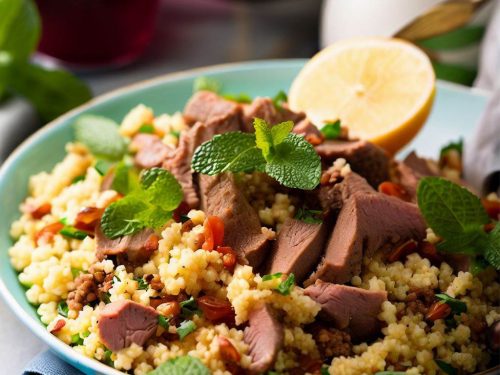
(286, 286)
(470, 243)
(457, 306)
(478, 265)
(101, 136)
(279, 99)
(263, 137)
(185, 365)
(120, 217)
(125, 179)
(19, 28)
(449, 209)
(295, 164)
(331, 130)
(162, 189)
(492, 250)
(280, 132)
(154, 217)
(228, 152)
(207, 84)
(458, 146)
(186, 327)
(309, 216)
(446, 367)
(239, 98)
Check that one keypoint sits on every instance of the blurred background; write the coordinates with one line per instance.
(111, 43)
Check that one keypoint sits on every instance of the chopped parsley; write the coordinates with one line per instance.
(239, 98)
(189, 308)
(331, 130)
(72, 232)
(285, 156)
(273, 276)
(107, 357)
(287, 285)
(75, 271)
(175, 133)
(309, 216)
(279, 99)
(63, 309)
(446, 367)
(163, 321)
(77, 339)
(185, 328)
(78, 179)
(142, 284)
(147, 129)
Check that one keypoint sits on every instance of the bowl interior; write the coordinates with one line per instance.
(455, 112)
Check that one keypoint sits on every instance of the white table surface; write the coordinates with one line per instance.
(191, 33)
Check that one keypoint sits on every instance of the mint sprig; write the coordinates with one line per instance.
(457, 216)
(285, 156)
(101, 136)
(331, 130)
(150, 205)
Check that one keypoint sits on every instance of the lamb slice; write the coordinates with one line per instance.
(298, 248)
(367, 223)
(265, 109)
(411, 170)
(354, 310)
(122, 323)
(365, 158)
(221, 196)
(206, 106)
(331, 197)
(137, 248)
(264, 335)
(306, 127)
(150, 150)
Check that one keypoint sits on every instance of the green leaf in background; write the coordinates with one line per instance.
(296, 164)
(5, 65)
(207, 84)
(228, 152)
(456, 39)
(279, 99)
(126, 179)
(458, 146)
(492, 251)
(19, 28)
(119, 218)
(185, 365)
(101, 136)
(52, 92)
(309, 216)
(239, 98)
(332, 130)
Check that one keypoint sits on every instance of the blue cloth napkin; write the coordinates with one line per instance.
(47, 363)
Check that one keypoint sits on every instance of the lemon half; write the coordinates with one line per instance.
(382, 89)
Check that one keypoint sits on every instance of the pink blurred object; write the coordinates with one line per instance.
(96, 33)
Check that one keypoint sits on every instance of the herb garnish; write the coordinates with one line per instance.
(457, 146)
(457, 216)
(163, 321)
(149, 206)
(286, 286)
(142, 284)
(102, 166)
(72, 232)
(101, 136)
(446, 367)
(239, 98)
(211, 84)
(186, 327)
(77, 339)
(78, 179)
(147, 129)
(189, 308)
(181, 366)
(125, 179)
(331, 130)
(279, 99)
(285, 156)
(107, 358)
(75, 271)
(63, 309)
(309, 216)
(457, 306)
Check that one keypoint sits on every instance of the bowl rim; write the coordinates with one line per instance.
(60, 348)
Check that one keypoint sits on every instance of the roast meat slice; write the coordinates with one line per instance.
(351, 309)
(137, 248)
(367, 222)
(365, 158)
(297, 249)
(265, 109)
(206, 106)
(264, 335)
(411, 170)
(150, 150)
(122, 323)
(222, 197)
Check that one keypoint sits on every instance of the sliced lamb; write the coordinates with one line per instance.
(151, 151)
(122, 323)
(297, 248)
(221, 196)
(136, 248)
(206, 106)
(306, 127)
(411, 170)
(265, 109)
(365, 158)
(264, 335)
(368, 221)
(348, 308)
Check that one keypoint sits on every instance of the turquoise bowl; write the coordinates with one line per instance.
(456, 111)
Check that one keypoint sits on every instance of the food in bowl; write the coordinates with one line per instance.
(237, 237)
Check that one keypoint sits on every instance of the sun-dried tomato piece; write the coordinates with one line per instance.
(214, 232)
(395, 190)
(229, 257)
(429, 251)
(400, 252)
(438, 310)
(58, 326)
(47, 232)
(227, 350)
(40, 211)
(216, 310)
(315, 139)
(492, 208)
